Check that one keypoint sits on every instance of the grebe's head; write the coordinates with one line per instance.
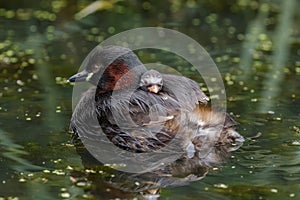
(152, 81)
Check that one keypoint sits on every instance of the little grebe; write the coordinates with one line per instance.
(123, 109)
(151, 81)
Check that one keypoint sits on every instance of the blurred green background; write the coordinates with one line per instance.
(255, 44)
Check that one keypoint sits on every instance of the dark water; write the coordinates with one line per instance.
(42, 44)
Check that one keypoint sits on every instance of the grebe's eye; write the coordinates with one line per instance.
(96, 68)
(144, 82)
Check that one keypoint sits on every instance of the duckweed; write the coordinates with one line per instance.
(65, 195)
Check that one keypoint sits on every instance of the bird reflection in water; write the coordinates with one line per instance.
(109, 183)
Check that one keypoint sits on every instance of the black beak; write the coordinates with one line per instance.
(79, 77)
